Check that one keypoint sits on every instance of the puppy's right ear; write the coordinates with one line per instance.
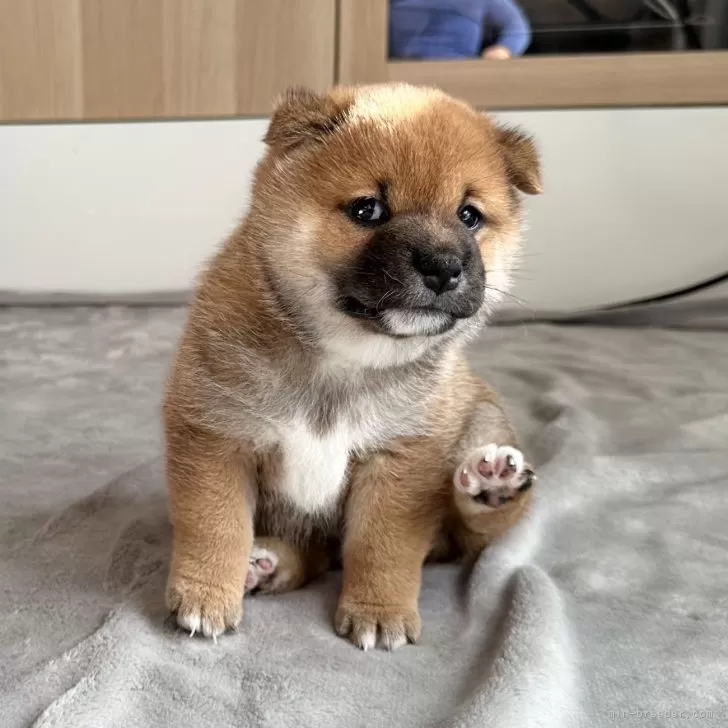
(303, 116)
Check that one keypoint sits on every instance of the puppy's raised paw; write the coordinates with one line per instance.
(494, 475)
(204, 608)
(367, 625)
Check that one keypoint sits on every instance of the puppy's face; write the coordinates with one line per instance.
(394, 213)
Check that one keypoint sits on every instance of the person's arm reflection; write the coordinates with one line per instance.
(509, 25)
(440, 29)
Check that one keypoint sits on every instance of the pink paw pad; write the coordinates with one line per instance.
(261, 566)
(492, 475)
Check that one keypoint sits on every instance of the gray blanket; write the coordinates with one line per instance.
(607, 607)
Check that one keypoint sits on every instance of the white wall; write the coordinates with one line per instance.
(119, 208)
(635, 203)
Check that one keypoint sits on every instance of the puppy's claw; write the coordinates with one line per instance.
(203, 608)
(362, 623)
(367, 640)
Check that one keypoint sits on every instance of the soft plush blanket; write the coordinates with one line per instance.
(608, 607)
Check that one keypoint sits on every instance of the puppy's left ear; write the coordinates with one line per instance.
(303, 116)
(522, 159)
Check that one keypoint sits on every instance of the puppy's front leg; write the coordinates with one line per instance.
(208, 481)
(394, 510)
(492, 480)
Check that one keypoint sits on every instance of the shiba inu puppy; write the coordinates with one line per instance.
(320, 402)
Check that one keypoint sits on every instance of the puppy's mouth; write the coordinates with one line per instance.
(402, 321)
(357, 309)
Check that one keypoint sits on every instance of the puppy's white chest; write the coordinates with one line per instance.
(314, 467)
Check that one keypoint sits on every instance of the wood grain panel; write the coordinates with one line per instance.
(283, 43)
(363, 34)
(631, 79)
(147, 59)
(199, 57)
(122, 58)
(40, 59)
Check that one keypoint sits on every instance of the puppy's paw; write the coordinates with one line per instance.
(367, 625)
(271, 571)
(201, 607)
(261, 567)
(494, 475)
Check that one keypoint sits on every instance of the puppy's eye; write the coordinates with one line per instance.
(368, 211)
(471, 217)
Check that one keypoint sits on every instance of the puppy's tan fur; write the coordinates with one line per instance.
(289, 420)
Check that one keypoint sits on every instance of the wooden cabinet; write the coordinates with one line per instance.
(165, 59)
(147, 59)
(567, 81)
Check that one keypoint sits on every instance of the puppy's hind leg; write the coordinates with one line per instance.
(276, 566)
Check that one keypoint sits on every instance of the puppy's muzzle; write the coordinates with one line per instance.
(418, 267)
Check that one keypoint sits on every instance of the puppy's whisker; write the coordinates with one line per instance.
(389, 275)
(514, 274)
(383, 299)
(518, 301)
(505, 293)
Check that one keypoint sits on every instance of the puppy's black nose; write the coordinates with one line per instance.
(440, 270)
